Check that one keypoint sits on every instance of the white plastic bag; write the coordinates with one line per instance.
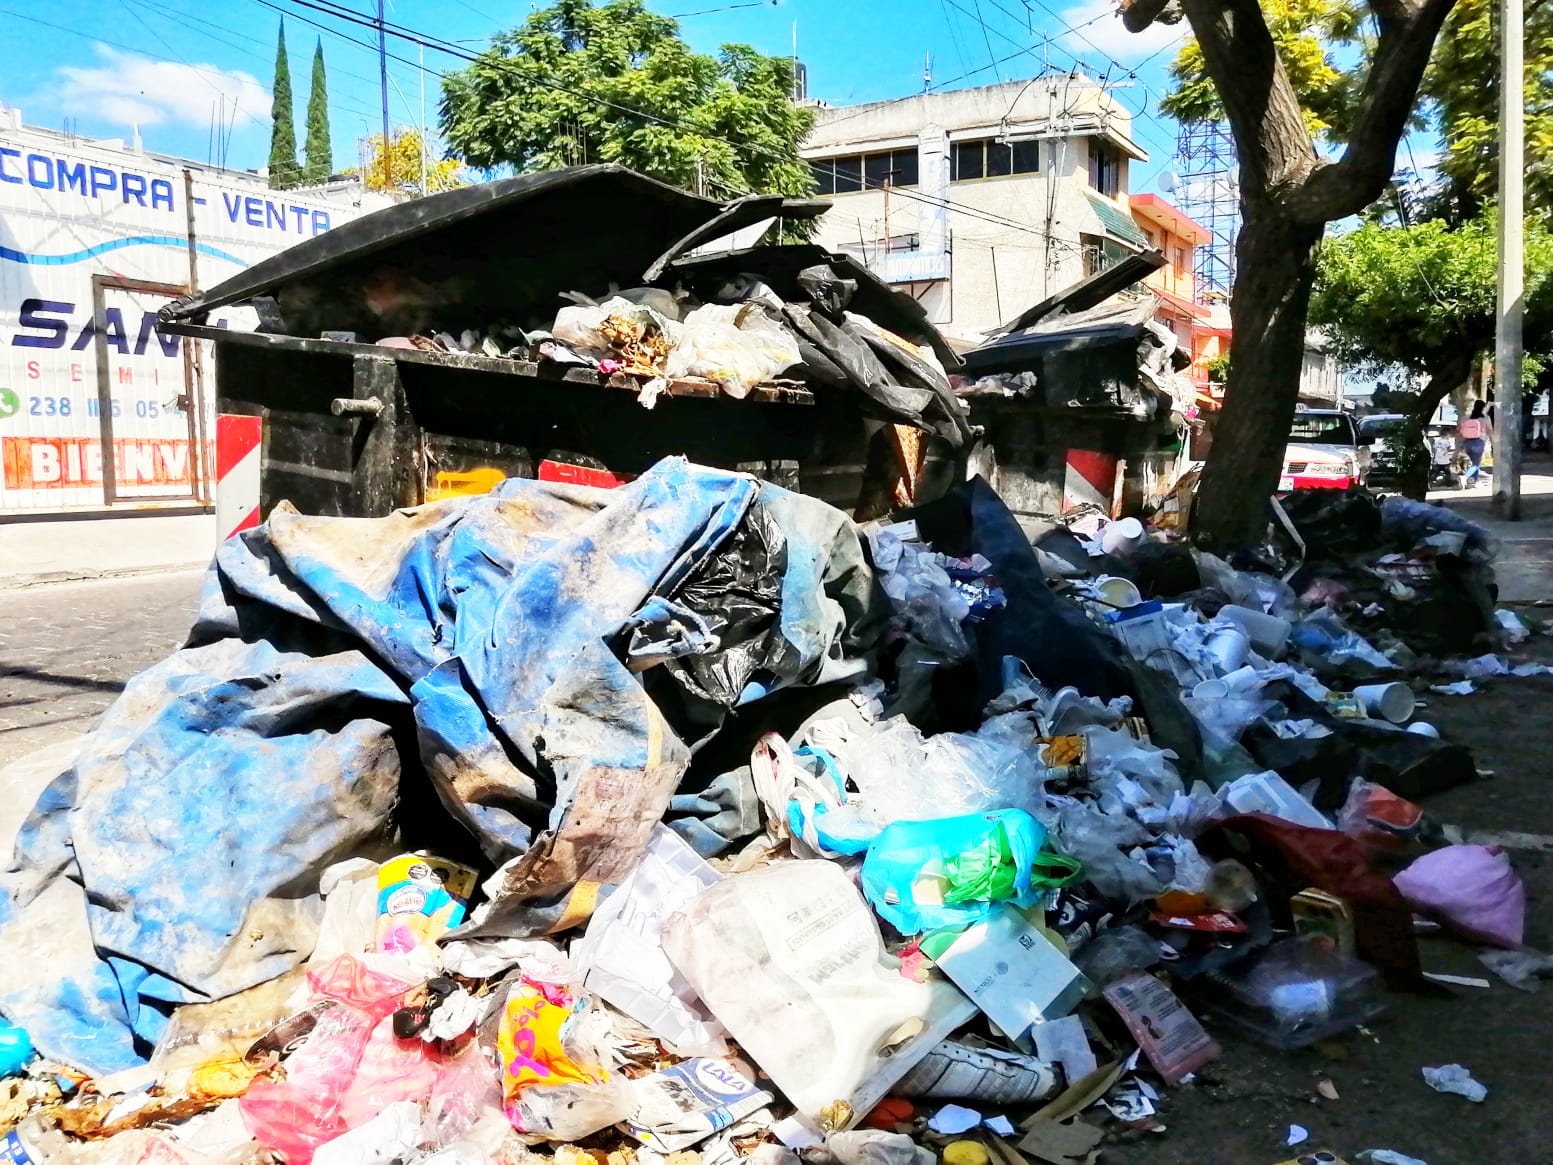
(789, 958)
(620, 957)
(737, 345)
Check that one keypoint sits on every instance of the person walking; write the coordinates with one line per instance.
(1539, 420)
(1474, 439)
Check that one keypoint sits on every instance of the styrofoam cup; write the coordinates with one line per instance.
(1243, 682)
(1424, 728)
(1268, 633)
(1211, 690)
(1229, 647)
(1118, 592)
(1121, 536)
(1394, 702)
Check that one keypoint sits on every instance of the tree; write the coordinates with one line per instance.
(284, 170)
(1288, 193)
(615, 83)
(320, 153)
(1462, 89)
(1423, 297)
(404, 167)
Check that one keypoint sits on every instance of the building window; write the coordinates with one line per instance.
(989, 158)
(1184, 258)
(1105, 167)
(853, 172)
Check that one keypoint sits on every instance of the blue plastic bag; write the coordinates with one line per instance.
(916, 870)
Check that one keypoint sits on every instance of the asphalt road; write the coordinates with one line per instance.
(66, 649)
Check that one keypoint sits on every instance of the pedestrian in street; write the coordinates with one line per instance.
(1474, 439)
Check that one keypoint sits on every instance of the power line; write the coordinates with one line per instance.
(988, 40)
(448, 48)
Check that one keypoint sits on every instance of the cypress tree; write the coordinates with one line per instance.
(320, 157)
(284, 170)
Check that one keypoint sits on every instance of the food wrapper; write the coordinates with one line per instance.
(419, 899)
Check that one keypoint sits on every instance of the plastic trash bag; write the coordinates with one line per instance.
(1457, 1081)
(788, 957)
(738, 346)
(903, 776)
(295, 1115)
(921, 875)
(1379, 820)
(556, 1084)
(1413, 521)
(1472, 889)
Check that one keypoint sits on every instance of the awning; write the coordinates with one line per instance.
(1116, 222)
(1192, 310)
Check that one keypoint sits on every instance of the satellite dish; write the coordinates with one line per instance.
(1168, 181)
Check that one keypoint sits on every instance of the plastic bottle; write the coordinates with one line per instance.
(15, 1049)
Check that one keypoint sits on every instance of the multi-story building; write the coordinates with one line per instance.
(980, 202)
(1201, 328)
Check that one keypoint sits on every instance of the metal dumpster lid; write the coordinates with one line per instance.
(585, 227)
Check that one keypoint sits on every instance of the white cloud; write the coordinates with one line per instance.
(1110, 37)
(129, 89)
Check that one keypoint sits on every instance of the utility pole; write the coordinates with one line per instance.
(1508, 349)
(382, 68)
(423, 118)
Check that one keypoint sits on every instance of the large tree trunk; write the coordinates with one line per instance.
(1275, 269)
(1445, 378)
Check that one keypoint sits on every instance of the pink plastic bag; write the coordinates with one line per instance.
(1470, 888)
(296, 1115)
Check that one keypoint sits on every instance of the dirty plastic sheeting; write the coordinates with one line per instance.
(267, 750)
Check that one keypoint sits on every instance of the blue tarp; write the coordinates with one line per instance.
(487, 648)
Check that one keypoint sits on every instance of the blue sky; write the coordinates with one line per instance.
(173, 66)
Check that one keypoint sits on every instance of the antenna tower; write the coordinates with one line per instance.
(1209, 193)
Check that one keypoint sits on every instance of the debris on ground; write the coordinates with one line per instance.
(690, 822)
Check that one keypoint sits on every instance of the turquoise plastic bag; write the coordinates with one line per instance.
(921, 875)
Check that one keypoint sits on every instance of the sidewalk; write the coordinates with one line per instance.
(1524, 568)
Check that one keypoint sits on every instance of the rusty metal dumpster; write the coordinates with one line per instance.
(357, 427)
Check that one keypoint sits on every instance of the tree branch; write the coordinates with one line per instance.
(1271, 139)
(1139, 14)
(1353, 182)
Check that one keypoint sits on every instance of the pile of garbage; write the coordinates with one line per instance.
(689, 822)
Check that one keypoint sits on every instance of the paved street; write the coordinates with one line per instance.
(67, 648)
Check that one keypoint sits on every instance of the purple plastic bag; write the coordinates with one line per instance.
(1472, 889)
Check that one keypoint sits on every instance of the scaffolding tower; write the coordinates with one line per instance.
(1208, 191)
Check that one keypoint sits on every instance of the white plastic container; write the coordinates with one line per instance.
(1269, 793)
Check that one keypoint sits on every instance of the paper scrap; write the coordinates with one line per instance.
(1063, 1041)
(1000, 1125)
(954, 1119)
(1298, 1135)
(1455, 1079)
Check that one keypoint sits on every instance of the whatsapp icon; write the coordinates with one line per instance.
(10, 403)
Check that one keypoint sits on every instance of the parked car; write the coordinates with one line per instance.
(1325, 451)
(1385, 431)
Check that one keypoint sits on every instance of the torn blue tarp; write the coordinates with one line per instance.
(478, 647)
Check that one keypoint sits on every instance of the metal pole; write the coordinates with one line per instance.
(1508, 350)
(382, 66)
(423, 119)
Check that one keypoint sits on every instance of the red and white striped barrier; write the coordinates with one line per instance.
(237, 473)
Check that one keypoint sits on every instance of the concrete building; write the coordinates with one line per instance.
(980, 202)
(1202, 329)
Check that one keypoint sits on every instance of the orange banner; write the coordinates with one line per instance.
(67, 462)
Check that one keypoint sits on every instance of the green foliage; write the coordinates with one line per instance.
(1416, 295)
(579, 83)
(320, 154)
(1308, 34)
(1462, 88)
(284, 170)
(398, 170)
(1217, 367)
